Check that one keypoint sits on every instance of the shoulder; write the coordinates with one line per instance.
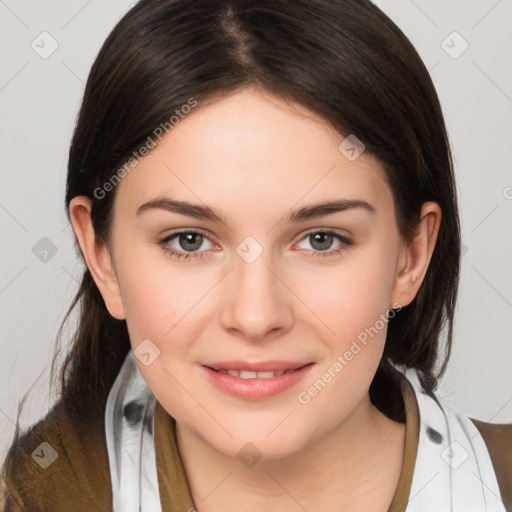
(56, 465)
(498, 439)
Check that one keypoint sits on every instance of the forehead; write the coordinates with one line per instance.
(254, 151)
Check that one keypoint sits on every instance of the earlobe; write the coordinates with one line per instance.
(96, 255)
(416, 255)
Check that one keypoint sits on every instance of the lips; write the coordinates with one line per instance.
(261, 366)
(256, 381)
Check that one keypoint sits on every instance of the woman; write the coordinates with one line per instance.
(288, 357)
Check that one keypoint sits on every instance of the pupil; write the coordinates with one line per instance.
(188, 238)
(324, 239)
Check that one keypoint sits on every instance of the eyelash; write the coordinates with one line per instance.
(199, 254)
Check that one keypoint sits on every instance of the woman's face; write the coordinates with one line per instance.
(253, 288)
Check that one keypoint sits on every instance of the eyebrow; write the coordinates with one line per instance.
(206, 212)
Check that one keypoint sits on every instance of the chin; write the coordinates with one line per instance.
(258, 446)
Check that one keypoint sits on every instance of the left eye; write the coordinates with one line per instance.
(322, 241)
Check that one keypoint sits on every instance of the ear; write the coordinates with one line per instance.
(415, 257)
(96, 255)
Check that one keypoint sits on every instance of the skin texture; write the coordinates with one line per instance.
(254, 158)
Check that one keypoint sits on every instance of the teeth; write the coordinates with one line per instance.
(265, 375)
(246, 374)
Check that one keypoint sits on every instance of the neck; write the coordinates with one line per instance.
(355, 466)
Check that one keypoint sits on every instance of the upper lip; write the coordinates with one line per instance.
(261, 366)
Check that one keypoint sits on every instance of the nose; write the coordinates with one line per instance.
(257, 304)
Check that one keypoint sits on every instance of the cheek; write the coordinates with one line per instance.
(354, 305)
(352, 299)
(166, 304)
(150, 309)
(158, 310)
(153, 298)
(352, 296)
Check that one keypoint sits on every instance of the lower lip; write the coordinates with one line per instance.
(256, 389)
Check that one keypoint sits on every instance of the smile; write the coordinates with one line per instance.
(256, 384)
(247, 374)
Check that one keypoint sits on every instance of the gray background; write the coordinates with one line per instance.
(39, 98)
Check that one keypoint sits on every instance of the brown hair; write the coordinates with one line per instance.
(344, 60)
